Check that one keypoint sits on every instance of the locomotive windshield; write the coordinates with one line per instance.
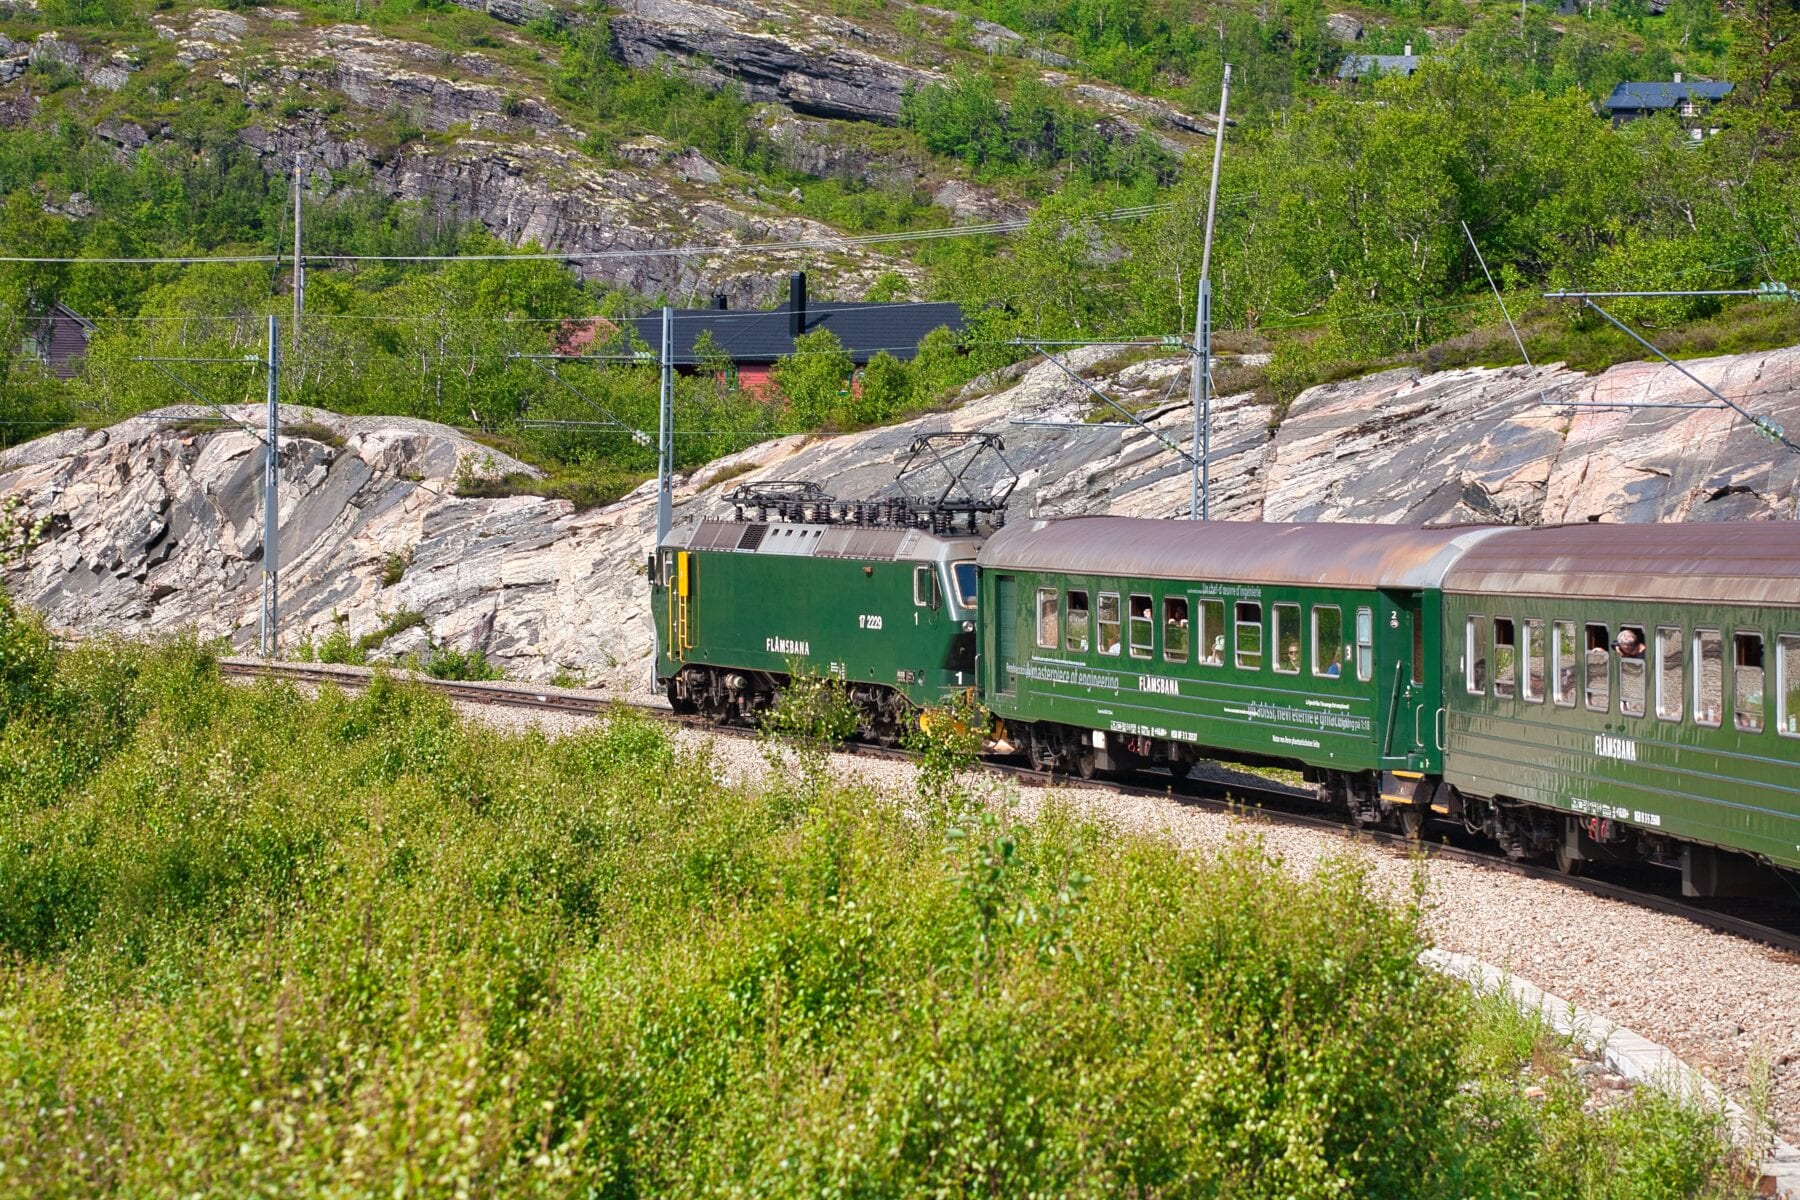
(965, 583)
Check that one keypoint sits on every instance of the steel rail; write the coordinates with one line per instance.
(1241, 794)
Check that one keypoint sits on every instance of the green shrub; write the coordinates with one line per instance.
(270, 943)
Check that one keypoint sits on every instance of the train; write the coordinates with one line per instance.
(1578, 694)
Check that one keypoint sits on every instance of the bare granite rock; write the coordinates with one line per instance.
(151, 528)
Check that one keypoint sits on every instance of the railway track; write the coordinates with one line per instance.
(1230, 792)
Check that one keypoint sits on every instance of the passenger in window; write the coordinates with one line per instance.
(1290, 658)
(1335, 667)
(1629, 645)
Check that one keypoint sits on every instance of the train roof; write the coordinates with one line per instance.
(1303, 554)
(808, 540)
(1738, 562)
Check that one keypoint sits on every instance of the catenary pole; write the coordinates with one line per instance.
(271, 551)
(1200, 388)
(665, 432)
(299, 264)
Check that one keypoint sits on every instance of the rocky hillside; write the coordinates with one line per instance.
(152, 526)
(480, 114)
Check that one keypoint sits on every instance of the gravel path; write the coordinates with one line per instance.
(1719, 1002)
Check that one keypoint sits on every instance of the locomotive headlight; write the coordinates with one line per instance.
(968, 627)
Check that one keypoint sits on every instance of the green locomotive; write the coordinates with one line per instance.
(740, 603)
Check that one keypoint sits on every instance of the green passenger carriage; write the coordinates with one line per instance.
(1631, 691)
(1112, 642)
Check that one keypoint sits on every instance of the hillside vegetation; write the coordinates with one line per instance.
(256, 943)
(1341, 242)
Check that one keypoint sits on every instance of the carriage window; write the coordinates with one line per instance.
(1531, 678)
(1599, 668)
(1287, 638)
(1506, 657)
(1631, 670)
(1328, 640)
(1046, 618)
(1564, 663)
(1475, 657)
(1747, 675)
(1175, 629)
(1143, 628)
(966, 579)
(1108, 623)
(1076, 629)
(1669, 663)
(1249, 636)
(1212, 632)
(1365, 644)
(1787, 684)
(1709, 676)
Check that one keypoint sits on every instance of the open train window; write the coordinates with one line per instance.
(1249, 636)
(1143, 627)
(1076, 627)
(1212, 633)
(1108, 623)
(1175, 629)
(1564, 663)
(1287, 638)
(1046, 618)
(1747, 679)
(1506, 658)
(1598, 689)
(1328, 640)
(1709, 677)
(1531, 656)
(1365, 644)
(1669, 673)
(1631, 647)
(1475, 656)
(1787, 685)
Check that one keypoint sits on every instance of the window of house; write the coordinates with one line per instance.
(1249, 635)
(1287, 638)
(1475, 656)
(1506, 658)
(1598, 689)
(1365, 644)
(1143, 627)
(1670, 682)
(1709, 677)
(1175, 629)
(1787, 684)
(1107, 625)
(1631, 647)
(1565, 663)
(1531, 658)
(1046, 618)
(1328, 640)
(1212, 633)
(1747, 678)
(1075, 629)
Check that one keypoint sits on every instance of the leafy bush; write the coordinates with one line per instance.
(277, 944)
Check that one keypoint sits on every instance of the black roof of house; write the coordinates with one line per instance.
(751, 336)
(1356, 66)
(1648, 97)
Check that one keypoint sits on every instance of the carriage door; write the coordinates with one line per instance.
(1001, 633)
(1405, 687)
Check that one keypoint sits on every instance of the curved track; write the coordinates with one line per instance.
(1232, 792)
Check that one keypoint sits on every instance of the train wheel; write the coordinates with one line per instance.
(1084, 762)
(1566, 862)
(1412, 822)
(681, 704)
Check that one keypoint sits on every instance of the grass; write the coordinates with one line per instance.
(253, 942)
